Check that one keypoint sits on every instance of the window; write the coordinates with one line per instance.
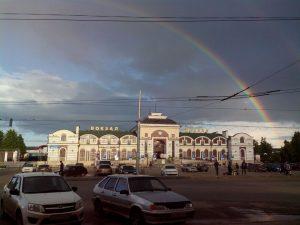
(146, 134)
(12, 183)
(63, 137)
(93, 155)
(242, 140)
(173, 135)
(111, 184)
(82, 155)
(103, 182)
(122, 185)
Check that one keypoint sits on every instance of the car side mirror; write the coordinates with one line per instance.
(124, 192)
(74, 189)
(14, 192)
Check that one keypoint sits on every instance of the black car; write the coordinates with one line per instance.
(75, 170)
(273, 167)
(202, 167)
(254, 167)
(128, 170)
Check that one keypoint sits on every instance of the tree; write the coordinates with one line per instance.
(10, 140)
(291, 150)
(264, 149)
(1, 138)
(21, 144)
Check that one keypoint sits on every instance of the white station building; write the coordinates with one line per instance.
(160, 138)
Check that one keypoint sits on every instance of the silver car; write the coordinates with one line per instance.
(141, 199)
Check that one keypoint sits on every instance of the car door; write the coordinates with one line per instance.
(15, 199)
(121, 202)
(9, 200)
(107, 193)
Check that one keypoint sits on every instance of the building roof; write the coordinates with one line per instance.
(195, 135)
(100, 133)
(158, 121)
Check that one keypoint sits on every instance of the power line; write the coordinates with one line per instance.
(264, 78)
(119, 19)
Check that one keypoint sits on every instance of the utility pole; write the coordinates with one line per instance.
(137, 161)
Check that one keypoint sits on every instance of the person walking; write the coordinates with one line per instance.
(229, 167)
(61, 168)
(237, 167)
(216, 164)
(287, 168)
(244, 167)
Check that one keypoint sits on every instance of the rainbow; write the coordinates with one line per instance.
(198, 44)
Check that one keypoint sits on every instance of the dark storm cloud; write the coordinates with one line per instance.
(105, 60)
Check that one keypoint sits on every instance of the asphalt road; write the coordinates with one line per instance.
(253, 199)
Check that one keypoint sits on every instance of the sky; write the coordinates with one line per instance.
(61, 61)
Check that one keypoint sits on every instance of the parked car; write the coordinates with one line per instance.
(127, 169)
(103, 170)
(73, 170)
(189, 168)
(169, 170)
(273, 167)
(254, 167)
(28, 167)
(44, 168)
(202, 167)
(119, 167)
(142, 199)
(41, 198)
(104, 162)
(295, 166)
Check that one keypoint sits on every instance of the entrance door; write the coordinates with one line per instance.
(159, 148)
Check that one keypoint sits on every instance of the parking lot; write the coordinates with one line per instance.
(257, 198)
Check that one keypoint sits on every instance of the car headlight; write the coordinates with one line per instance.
(189, 205)
(157, 207)
(79, 204)
(35, 208)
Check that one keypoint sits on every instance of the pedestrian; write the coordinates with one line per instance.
(244, 167)
(216, 164)
(287, 168)
(61, 168)
(229, 167)
(237, 167)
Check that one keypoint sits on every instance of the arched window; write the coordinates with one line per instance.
(198, 154)
(123, 154)
(103, 154)
(93, 155)
(214, 153)
(63, 137)
(82, 155)
(223, 155)
(133, 155)
(242, 153)
(189, 154)
(205, 155)
(180, 153)
(242, 140)
(62, 154)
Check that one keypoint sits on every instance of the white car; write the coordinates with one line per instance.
(28, 167)
(41, 198)
(169, 170)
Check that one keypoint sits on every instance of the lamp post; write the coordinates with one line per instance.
(137, 161)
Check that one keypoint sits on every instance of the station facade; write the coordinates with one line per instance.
(160, 139)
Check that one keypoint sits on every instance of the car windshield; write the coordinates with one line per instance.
(141, 184)
(128, 167)
(104, 166)
(44, 184)
(170, 167)
(28, 165)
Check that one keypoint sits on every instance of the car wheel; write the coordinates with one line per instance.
(2, 211)
(98, 208)
(136, 217)
(19, 218)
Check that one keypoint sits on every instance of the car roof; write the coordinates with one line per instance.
(127, 175)
(37, 174)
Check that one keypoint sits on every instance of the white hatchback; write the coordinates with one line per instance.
(169, 170)
(41, 198)
(28, 167)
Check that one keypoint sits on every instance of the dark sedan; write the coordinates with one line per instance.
(73, 170)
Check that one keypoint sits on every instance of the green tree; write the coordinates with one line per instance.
(291, 150)
(264, 149)
(10, 140)
(1, 138)
(21, 144)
